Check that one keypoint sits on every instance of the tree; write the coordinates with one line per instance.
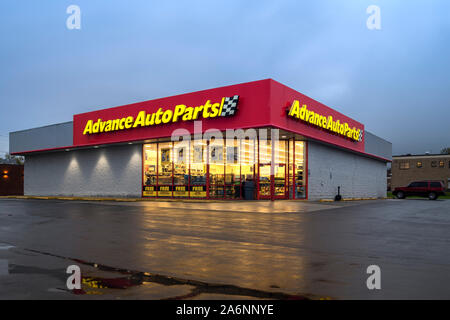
(445, 150)
(10, 159)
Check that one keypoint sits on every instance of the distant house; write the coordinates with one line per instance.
(408, 168)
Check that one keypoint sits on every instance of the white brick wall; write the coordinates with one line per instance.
(109, 171)
(358, 177)
(116, 171)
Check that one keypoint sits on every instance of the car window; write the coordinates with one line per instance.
(435, 185)
(422, 184)
(412, 185)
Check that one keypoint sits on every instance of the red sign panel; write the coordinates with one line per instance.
(249, 105)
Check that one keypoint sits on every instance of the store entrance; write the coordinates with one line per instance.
(204, 170)
(277, 184)
(280, 182)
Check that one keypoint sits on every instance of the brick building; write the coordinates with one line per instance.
(408, 168)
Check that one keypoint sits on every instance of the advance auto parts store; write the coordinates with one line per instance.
(301, 149)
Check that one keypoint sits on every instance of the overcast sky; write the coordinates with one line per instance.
(394, 80)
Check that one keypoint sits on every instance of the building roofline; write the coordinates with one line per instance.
(41, 127)
(420, 156)
(174, 96)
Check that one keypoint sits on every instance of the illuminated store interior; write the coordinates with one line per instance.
(212, 169)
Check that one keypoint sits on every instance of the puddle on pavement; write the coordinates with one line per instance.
(89, 283)
(98, 279)
(92, 284)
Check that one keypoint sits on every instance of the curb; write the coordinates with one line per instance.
(160, 199)
(353, 199)
(112, 199)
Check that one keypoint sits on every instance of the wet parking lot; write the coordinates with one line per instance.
(231, 250)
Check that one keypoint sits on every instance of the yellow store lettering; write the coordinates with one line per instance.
(181, 112)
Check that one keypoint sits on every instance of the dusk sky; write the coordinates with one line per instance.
(394, 80)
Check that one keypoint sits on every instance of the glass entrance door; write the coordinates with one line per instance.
(280, 181)
(266, 183)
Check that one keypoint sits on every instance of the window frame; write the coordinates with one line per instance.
(404, 165)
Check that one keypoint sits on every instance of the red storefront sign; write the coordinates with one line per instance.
(261, 103)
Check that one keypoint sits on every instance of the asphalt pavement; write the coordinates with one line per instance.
(235, 250)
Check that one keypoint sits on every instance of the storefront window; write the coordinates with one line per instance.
(165, 168)
(280, 154)
(280, 175)
(181, 169)
(149, 162)
(249, 159)
(276, 171)
(232, 169)
(218, 169)
(265, 158)
(291, 169)
(265, 151)
(300, 186)
(198, 169)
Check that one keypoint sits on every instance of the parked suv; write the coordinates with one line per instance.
(430, 189)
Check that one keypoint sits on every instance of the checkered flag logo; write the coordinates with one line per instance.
(361, 133)
(229, 106)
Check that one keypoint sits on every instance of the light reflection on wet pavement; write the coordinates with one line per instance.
(263, 250)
